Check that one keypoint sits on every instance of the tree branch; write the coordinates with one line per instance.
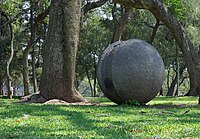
(92, 5)
(10, 20)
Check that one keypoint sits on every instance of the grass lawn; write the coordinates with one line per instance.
(167, 118)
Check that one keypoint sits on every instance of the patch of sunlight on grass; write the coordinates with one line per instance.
(104, 121)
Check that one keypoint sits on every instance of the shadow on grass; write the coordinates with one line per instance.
(88, 119)
(78, 116)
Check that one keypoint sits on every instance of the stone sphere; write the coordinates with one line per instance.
(130, 70)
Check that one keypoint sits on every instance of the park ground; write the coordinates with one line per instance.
(162, 118)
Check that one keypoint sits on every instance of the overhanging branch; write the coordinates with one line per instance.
(92, 5)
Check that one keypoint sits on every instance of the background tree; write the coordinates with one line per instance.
(35, 20)
(190, 55)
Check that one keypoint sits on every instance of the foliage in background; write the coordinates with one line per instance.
(97, 29)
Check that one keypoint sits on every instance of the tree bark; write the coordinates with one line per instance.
(8, 76)
(191, 56)
(1, 82)
(1, 58)
(95, 77)
(122, 23)
(174, 82)
(155, 29)
(89, 80)
(168, 77)
(92, 5)
(177, 71)
(25, 71)
(60, 52)
(34, 75)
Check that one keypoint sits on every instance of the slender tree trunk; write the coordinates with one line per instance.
(122, 23)
(89, 80)
(95, 71)
(26, 51)
(177, 71)
(174, 82)
(8, 76)
(153, 36)
(1, 58)
(190, 54)
(1, 81)
(25, 72)
(60, 52)
(161, 92)
(168, 77)
(34, 75)
(155, 29)
(172, 86)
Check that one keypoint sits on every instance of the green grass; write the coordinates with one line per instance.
(163, 118)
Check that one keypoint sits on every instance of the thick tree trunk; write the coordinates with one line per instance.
(190, 54)
(60, 52)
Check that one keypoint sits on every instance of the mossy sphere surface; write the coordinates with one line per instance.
(130, 70)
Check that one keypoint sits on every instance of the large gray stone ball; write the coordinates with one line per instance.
(130, 70)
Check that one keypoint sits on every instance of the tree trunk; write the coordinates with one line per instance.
(161, 92)
(1, 82)
(122, 23)
(25, 71)
(1, 58)
(177, 71)
(95, 77)
(190, 54)
(60, 52)
(199, 96)
(8, 76)
(168, 77)
(34, 75)
(174, 82)
(155, 29)
(170, 91)
(89, 80)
